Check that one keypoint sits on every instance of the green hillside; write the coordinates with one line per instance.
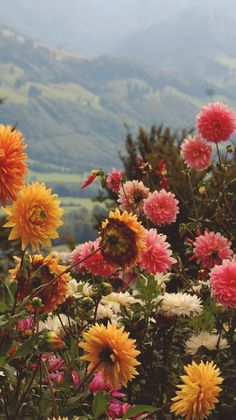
(73, 110)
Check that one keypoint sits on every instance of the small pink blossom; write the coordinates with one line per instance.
(94, 263)
(157, 256)
(132, 196)
(75, 379)
(216, 122)
(223, 283)
(161, 207)
(211, 248)
(98, 384)
(196, 153)
(114, 179)
(25, 324)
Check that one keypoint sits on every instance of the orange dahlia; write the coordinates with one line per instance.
(197, 396)
(111, 352)
(122, 239)
(37, 277)
(12, 163)
(34, 216)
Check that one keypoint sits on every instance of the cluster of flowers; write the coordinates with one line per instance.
(74, 313)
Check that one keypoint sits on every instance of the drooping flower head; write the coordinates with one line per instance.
(12, 163)
(111, 352)
(204, 338)
(196, 153)
(156, 258)
(223, 283)
(122, 239)
(211, 248)
(216, 122)
(113, 180)
(34, 216)
(197, 396)
(180, 304)
(95, 263)
(132, 195)
(41, 271)
(161, 207)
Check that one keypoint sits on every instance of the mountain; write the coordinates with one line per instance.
(73, 110)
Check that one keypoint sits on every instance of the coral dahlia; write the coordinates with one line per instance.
(111, 352)
(161, 207)
(113, 180)
(211, 248)
(223, 283)
(157, 256)
(34, 216)
(132, 195)
(216, 122)
(94, 263)
(196, 153)
(12, 163)
(197, 396)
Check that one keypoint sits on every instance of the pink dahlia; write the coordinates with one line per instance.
(196, 153)
(132, 196)
(114, 179)
(157, 256)
(211, 248)
(216, 122)
(94, 263)
(161, 207)
(223, 283)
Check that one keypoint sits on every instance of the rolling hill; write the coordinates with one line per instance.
(73, 110)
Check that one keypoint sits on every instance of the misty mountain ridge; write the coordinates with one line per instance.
(73, 110)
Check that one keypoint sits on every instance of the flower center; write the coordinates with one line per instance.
(107, 355)
(38, 215)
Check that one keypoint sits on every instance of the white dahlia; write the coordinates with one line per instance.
(180, 304)
(204, 338)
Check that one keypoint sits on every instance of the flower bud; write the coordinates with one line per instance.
(105, 288)
(86, 303)
(202, 189)
(53, 341)
(37, 302)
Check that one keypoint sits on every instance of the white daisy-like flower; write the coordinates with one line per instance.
(162, 279)
(53, 324)
(105, 312)
(63, 255)
(86, 289)
(116, 300)
(202, 284)
(179, 304)
(204, 338)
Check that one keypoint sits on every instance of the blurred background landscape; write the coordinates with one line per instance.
(76, 74)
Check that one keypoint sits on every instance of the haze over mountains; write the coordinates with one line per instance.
(160, 61)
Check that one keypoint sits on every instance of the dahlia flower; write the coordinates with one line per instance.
(122, 239)
(132, 195)
(161, 207)
(157, 256)
(216, 122)
(197, 154)
(204, 338)
(211, 248)
(117, 299)
(111, 352)
(40, 272)
(113, 180)
(94, 263)
(12, 163)
(179, 304)
(197, 396)
(34, 216)
(223, 283)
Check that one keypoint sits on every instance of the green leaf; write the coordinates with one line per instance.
(29, 345)
(100, 403)
(9, 296)
(9, 372)
(139, 409)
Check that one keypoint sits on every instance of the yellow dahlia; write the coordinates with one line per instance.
(110, 351)
(34, 216)
(197, 395)
(41, 271)
(12, 163)
(122, 239)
